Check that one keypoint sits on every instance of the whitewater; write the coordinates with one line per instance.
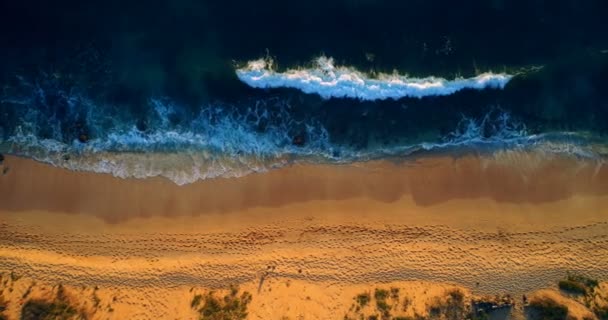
(330, 81)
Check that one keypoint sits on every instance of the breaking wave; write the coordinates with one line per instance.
(330, 81)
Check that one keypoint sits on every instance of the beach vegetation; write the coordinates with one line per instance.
(14, 276)
(380, 294)
(3, 306)
(381, 305)
(230, 307)
(58, 309)
(45, 310)
(196, 301)
(395, 293)
(601, 312)
(572, 287)
(547, 309)
(384, 308)
(577, 284)
(451, 306)
(363, 299)
(96, 300)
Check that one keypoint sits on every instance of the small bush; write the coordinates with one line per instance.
(588, 282)
(363, 299)
(455, 306)
(572, 287)
(395, 293)
(230, 307)
(44, 310)
(196, 301)
(548, 309)
(577, 284)
(383, 307)
(380, 294)
(601, 312)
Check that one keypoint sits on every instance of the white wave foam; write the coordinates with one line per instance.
(330, 81)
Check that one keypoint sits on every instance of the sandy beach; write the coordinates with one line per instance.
(511, 223)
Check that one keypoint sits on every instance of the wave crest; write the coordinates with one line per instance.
(329, 81)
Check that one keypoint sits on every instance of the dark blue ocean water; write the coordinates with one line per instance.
(150, 88)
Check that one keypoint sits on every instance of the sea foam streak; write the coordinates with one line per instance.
(330, 81)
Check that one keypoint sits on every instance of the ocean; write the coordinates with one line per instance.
(192, 90)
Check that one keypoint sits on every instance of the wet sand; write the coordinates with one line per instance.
(510, 223)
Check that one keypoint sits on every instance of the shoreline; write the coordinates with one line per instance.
(510, 178)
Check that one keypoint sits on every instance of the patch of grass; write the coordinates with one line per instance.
(28, 291)
(572, 287)
(380, 294)
(577, 284)
(395, 293)
(452, 307)
(383, 307)
(196, 301)
(229, 307)
(455, 305)
(44, 310)
(14, 276)
(96, 300)
(363, 299)
(601, 312)
(548, 309)
(590, 283)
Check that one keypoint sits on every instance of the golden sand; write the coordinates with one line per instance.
(512, 223)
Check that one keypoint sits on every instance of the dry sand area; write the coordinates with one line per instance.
(303, 240)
